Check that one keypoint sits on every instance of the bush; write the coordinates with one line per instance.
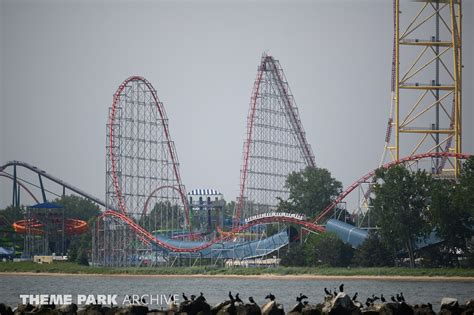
(327, 249)
(82, 258)
(293, 256)
(373, 253)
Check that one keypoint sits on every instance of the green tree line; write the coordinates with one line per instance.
(409, 208)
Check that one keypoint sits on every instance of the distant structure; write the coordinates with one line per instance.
(206, 209)
(275, 143)
(426, 109)
(47, 230)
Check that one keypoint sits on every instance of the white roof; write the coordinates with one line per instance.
(203, 192)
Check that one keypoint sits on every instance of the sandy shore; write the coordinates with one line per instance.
(261, 277)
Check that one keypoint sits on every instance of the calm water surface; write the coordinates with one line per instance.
(216, 289)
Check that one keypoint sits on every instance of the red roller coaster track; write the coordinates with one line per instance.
(311, 225)
(171, 149)
(269, 70)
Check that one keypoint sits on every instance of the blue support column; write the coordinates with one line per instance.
(15, 196)
(43, 193)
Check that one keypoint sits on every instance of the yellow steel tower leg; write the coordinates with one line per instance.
(428, 72)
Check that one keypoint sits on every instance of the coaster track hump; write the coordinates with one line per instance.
(112, 139)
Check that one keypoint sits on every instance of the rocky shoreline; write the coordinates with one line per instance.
(336, 304)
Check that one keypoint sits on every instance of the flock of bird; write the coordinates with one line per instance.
(193, 304)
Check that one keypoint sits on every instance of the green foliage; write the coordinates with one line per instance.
(82, 258)
(293, 255)
(76, 207)
(327, 249)
(272, 229)
(311, 190)
(373, 253)
(8, 237)
(450, 219)
(74, 268)
(73, 251)
(400, 207)
(11, 214)
(465, 195)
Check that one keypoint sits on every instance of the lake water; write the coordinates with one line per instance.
(216, 289)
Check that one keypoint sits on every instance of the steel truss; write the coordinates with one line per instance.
(426, 106)
(142, 176)
(275, 143)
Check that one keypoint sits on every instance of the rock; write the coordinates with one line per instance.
(449, 303)
(341, 305)
(67, 309)
(297, 309)
(198, 306)
(132, 310)
(253, 309)
(91, 309)
(23, 308)
(273, 308)
(311, 309)
(5, 309)
(423, 310)
(228, 308)
(111, 311)
(218, 307)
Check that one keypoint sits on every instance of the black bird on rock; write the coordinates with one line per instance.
(368, 302)
(237, 298)
(341, 287)
(402, 297)
(252, 308)
(185, 297)
(301, 297)
(201, 297)
(393, 299)
(327, 291)
(270, 296)
(382, 298)
(399, 299)
(354, 298)
(193, 297)
(231, 297)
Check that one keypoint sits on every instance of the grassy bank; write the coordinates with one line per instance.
(72, 268)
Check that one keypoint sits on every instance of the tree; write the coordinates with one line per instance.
(373, 253)
(293, 256)
(82, 258)
(311, 190)
(465, 194)
(72, 254)
(400, 207)
(327, 249)
(76, 207)
(450, 219)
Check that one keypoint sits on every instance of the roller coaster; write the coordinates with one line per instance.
(142, 167)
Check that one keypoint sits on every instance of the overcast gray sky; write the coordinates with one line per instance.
(61, 62)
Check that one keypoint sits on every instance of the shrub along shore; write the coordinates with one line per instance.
(73, 268)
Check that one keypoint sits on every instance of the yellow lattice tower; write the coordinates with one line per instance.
(427, 109)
